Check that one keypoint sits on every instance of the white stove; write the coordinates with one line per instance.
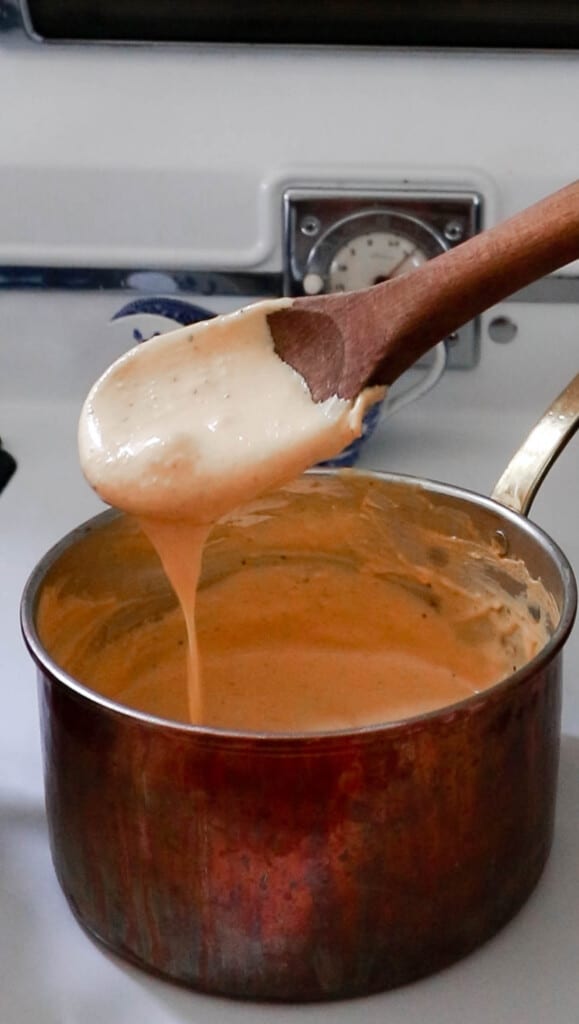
(147, 173)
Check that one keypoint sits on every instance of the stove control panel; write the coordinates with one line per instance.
(341, 240)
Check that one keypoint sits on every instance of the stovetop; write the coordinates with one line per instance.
(462, 432)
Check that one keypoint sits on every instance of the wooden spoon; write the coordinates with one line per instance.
(342, 342)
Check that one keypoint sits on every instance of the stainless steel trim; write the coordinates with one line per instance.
(426, 205)
(426, 209)
(556, 289)
(142, 280)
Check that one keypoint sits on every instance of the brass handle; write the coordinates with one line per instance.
(525, 472)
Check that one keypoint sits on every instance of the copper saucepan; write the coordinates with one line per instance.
(319, 866)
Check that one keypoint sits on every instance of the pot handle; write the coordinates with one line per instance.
(525, 472)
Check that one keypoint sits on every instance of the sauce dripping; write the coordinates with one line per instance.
(182, 430)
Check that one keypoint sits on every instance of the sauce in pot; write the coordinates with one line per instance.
(183, 429)
(331, 603)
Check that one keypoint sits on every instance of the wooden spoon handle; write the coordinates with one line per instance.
(422, 308)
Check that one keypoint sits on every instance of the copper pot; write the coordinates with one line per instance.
(319, 866)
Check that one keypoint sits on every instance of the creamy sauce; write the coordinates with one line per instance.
(182, 430)
(329, 604)
(319, 606)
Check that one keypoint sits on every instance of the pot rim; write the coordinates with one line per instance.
(547, 653)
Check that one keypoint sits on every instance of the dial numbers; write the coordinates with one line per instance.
(371, 258)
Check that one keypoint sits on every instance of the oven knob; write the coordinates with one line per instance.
(313, 284)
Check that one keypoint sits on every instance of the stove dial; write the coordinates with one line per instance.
(368, 248)
(372, 258)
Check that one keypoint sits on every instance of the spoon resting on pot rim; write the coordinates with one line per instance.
(340, 343)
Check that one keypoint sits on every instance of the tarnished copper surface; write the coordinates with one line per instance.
(307, 868)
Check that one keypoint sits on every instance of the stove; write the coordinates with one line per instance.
(145, 185)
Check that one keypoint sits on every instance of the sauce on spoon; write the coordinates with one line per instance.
(182, 430)
(354, 611)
